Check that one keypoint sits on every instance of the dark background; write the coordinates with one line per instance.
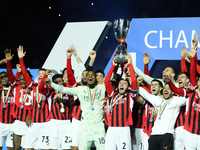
(32, 24)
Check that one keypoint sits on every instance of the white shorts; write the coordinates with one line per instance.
(19, 127)
(192, 141)
(145, 143)
(118, 138)
(137, 136)
(179, 138)
(59, 136)
(37, 136)
(6, 135)
(90, 132)
(74, 133)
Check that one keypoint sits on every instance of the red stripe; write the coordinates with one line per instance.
(120, 113)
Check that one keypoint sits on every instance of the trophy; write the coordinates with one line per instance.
(121, 30)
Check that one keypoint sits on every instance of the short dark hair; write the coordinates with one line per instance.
(3, 72)
(185, 73)
(42, 69)
(66, 69)
(127, 80)
(159, 82)
(100, 71)
(29, 73)
(174, 71)
(55, 76)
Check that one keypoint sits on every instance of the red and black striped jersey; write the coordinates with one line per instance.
(149, 118)
(23, 103)
(40, 111)
(77, 112)
(6, 104)
(193, 108)
(56, 107)
(138, 113)
(23, 100)
(107, 99)
(120, 114)
(192, 120)
(181, 117)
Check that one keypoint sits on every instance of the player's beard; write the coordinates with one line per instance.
(125, 91)
(84, 82)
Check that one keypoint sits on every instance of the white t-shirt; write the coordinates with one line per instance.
(82, 92)
(165, 121)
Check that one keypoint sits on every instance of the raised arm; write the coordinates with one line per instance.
(70, 75)
(146, 78)
(41, 88)
(183, 57)
(194, 60)
(132, 74)
(21, 54)
(92, 59)
(146, 61)
(80, 63)
(193, 64)
(10, 74)
(179, 91)
(108, 85)
(62, 89)
(18, 71)
(154, 100)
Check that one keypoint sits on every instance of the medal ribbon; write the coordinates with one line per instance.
(23, 102)
(93, 95)
(5, 99)
(199, 92)
(61, 95)
(37, 96)
(114, 101)
(164, 106)
(152, 112)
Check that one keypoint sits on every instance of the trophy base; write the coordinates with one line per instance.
(121, 60)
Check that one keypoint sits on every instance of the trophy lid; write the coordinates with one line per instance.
(121, 28)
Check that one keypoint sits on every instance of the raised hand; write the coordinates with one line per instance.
(183, 52)
(195, 40)
(190, 87)
(192, 52)
(47, 81)
(129, 58)
(3, 61)
(20, 51)
(74, 51)
(18, 67)
(48, 72)
(8, 54)
(69, 53)
(140, 80)
(113, 62)
(146, 59)
(93, 54)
